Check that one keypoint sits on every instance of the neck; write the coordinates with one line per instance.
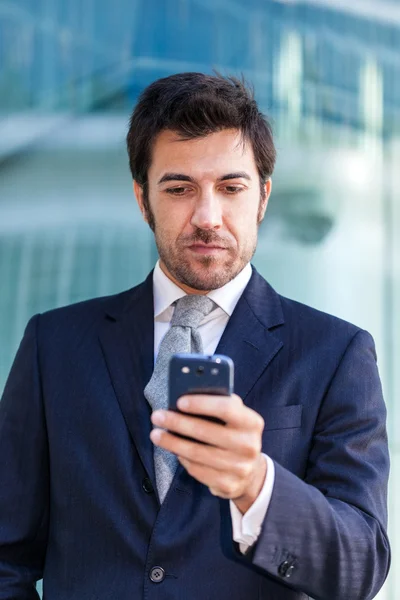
(185, 288)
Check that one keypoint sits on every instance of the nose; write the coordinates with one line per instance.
(207, 212)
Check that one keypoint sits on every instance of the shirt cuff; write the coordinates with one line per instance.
(246, 528)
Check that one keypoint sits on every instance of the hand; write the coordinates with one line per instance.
(230, 462)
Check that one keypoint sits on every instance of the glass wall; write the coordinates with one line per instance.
(329, 79)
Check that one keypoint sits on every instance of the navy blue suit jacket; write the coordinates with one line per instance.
(77, 499)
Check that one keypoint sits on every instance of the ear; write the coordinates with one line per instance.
(138, 191)
(264, 203)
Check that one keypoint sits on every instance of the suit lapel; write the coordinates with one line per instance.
(127, 340)
(248, 338)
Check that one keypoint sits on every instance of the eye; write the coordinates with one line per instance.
(176, 191)
(233, 189)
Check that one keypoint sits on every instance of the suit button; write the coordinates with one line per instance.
(147, 486)
(286, 569)
(157, 574)
(289, 571)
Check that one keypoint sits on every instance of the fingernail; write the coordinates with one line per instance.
(155, 435)
(183, 403)
(158, 417)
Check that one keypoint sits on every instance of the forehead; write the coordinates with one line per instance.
(219, 151)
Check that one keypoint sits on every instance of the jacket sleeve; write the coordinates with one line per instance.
(325, 535)
(23, 475)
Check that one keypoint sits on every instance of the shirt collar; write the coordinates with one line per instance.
(166, 291)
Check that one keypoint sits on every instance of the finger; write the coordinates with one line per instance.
(218, 459)
(200, 453)
(194, 427)
(228, 408)
(219, 484)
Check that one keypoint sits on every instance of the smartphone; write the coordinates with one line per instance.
(199, 374)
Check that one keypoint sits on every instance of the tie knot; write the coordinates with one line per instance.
(191, 310)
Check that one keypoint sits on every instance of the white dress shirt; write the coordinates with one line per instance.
(247, 527)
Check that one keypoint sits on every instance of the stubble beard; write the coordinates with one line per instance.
(202, 272)
(182, 269)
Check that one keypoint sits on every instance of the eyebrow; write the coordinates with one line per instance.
(182, 177)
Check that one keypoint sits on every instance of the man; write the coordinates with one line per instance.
(286, 500)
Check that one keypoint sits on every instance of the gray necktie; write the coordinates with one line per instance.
(181, 337)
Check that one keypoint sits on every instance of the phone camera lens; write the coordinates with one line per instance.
(200, 370)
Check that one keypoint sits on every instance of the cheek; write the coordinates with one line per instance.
(242, 223)
(172, 219)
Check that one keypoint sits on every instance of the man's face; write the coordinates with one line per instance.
(205, 204)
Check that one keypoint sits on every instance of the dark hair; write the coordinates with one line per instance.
(195, 105)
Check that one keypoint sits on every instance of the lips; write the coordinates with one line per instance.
(206, 248)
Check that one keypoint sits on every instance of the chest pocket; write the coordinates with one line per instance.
(283, 417)
(283, 438)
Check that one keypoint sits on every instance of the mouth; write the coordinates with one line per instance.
(199, 248)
